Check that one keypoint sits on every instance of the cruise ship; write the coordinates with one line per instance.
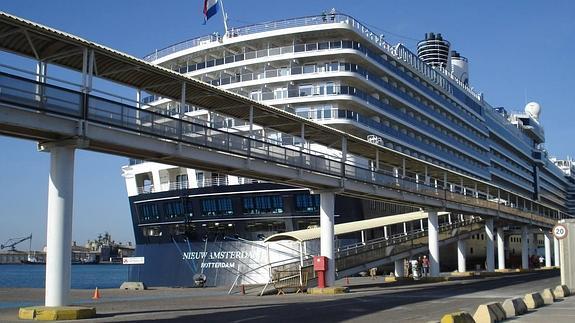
(331, 69)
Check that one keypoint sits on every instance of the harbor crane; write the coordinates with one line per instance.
(11, 243)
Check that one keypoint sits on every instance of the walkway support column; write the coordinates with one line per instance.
(547, 241)
(489, 246)
(433, 228)
(461, 254)
(59, 234)
(399, 268)
(556, 262)
(524, 247)
(326, 222)
(500, 248)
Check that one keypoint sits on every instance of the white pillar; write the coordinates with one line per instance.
(399, 269)
(326, 222)
(433, 244)
(489, 246)
(547, 240)
(59, 231)
(524, 247)
(500, 248)
(461, 254)
(556, 252)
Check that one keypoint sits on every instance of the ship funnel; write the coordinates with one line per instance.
(434, 50)
(460, 67)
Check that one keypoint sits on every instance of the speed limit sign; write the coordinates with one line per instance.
(560, 231)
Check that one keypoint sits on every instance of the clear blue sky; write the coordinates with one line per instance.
(518, 51)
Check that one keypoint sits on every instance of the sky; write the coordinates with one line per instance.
(518, 51)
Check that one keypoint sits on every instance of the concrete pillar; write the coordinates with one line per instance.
(547, 239)
(326, 222)
(489, 246)
(433, 228)
(567, 254)
(500, 248)
(59, 231)
(524, 247)
(461, 254)
(399, 269)
(556, 252)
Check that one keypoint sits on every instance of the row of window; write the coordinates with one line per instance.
(181, 209)
(392, 64)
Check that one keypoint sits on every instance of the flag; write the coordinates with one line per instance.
(210, 9)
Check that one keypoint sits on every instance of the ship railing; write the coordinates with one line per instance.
(399, 52)
(46, 97)
(247, 30)
(306, 47)
(206, 182)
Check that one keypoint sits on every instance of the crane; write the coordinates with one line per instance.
(11, 243)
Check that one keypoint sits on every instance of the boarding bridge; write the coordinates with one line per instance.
(354, 258)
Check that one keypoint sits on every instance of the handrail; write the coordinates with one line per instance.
(129, 118)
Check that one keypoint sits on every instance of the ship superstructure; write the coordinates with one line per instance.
(334, 70)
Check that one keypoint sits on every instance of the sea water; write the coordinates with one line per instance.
(83, 276)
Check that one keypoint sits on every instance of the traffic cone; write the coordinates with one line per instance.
(96, 294)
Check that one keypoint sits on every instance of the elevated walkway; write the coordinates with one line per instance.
(95, 120)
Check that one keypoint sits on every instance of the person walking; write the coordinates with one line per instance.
(425, 265)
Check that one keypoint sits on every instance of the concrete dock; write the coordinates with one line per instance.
(369, 300)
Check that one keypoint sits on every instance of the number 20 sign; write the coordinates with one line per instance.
(560, 231)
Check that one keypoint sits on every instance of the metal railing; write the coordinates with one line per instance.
(400, 52)
(26, 93)
(400, 239)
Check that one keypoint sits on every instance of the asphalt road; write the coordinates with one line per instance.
(368, 301)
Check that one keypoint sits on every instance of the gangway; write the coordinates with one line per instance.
(361, 256)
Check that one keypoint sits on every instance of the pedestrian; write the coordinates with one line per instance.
(425, 265)
(373, 272)
(415, 269)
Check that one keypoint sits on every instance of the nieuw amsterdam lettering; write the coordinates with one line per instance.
(217, 255)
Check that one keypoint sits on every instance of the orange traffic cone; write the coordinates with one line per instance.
(96, 294)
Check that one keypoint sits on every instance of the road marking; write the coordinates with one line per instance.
(250, 319)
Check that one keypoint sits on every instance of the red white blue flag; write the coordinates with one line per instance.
(210, 9)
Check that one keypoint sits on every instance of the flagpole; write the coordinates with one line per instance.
(225, 16)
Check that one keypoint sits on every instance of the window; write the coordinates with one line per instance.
(305, 90)
(263, 204)
(215, 207)
(173, 210)
(329, 88)
(200, 179)
(307, 203)
(181, 181)
(149, 212)
(256, 95)
(309, 68)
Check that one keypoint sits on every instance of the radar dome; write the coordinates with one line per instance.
(533, 109)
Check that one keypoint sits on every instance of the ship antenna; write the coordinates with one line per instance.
(225, 16)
